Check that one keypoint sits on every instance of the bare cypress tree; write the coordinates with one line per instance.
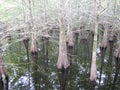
(62, 62)
(103, 50)
(93, 63)
(26, 41)
(34, 50)
(112, 40)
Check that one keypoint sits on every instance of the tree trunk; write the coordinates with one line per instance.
(104, 39)
(62, 62)
(34, 51)
(62, 58)
(26, 43)
(70, 44)
(103, 50)
(93, 63)
(112, 40)
(3, 76)
(117, 67)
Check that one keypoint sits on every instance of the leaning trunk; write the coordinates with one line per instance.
(93, 64)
